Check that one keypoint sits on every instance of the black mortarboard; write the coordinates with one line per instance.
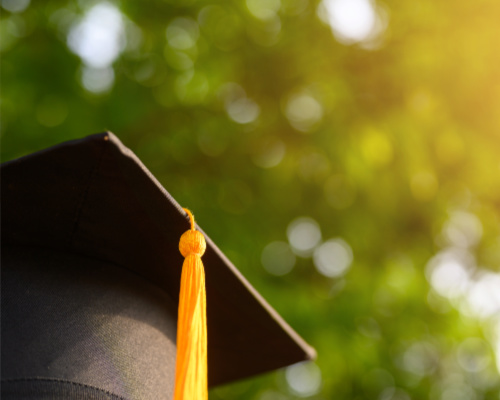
(90, 282)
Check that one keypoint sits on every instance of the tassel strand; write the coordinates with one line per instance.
(191, 363)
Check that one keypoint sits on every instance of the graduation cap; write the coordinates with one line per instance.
(91, 274)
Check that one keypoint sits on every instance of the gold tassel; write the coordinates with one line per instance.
(191, 363)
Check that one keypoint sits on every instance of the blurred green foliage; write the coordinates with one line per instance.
(256, 113)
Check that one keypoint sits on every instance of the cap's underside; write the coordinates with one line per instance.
(94, 197)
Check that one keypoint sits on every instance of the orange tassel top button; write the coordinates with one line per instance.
(192, 242)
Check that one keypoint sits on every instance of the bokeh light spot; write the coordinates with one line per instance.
(496, 343)
(463, 229)
(474, 354)
(422, 102)
(266, 32)
(243, 110)
(459, 391)
(304, 235)
(182, 33)
(303, 112)
(421, 359)
(277, 258)
(333, 258)
(368, 327)
(304, 379)
(483, 296)
(449, 273)
(144, 71)
(178, 59)
(269, 152)
(99, 37)
(263, 9)
(450, 147)
(192, 87)
(376, 148)
(239, 107)
(424, 185)
(15, 6)
(222, 26)
(97, 80)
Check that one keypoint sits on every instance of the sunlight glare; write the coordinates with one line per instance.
(351, 20)
(99, 37)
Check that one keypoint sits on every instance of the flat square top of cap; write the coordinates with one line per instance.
(95, 198)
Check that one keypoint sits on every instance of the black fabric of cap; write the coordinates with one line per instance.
(90, 281)
(76, 323)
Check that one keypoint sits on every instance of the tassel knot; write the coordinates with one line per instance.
(192, 242)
